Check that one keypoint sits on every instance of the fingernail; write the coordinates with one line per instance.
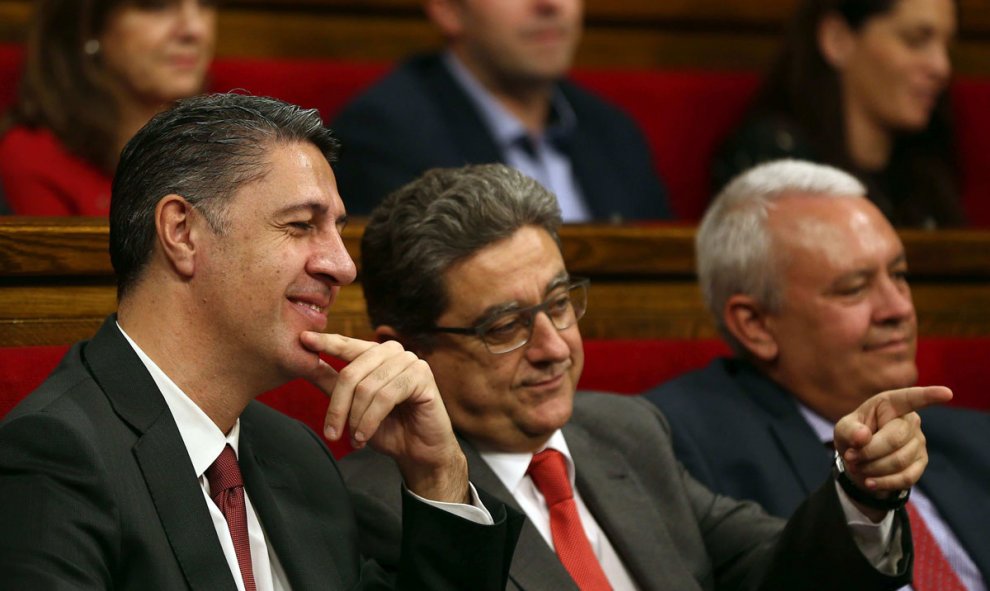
(359, 436)
(870, 483)
(851, 455)
(330, 433)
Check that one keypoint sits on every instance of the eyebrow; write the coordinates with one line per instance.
(316, 208)
(561, 279)
(869, 271)
(312, 206)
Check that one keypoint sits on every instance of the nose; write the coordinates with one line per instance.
(894, 303)
(546, 7)
(330, 261)
(547, 344)
(940, 62)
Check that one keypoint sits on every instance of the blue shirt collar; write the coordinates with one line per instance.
(504, 126)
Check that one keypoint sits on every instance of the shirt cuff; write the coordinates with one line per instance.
(475, 512)
(875, 540)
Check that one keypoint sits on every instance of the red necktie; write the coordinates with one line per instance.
(549, 473)
(932, 572)
(227, 490)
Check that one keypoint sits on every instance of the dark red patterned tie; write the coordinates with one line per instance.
(932, 572)
(227, 490)
(549, 473)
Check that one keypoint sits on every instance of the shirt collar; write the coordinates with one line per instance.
(504, 126)
(823, 428)
(202, 438)
(511, 467)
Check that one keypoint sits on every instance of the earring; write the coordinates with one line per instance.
(91, 47)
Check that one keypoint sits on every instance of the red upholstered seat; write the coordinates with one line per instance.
(684, 114)
(625, 366)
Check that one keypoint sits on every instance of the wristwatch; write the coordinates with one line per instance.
(895, 501)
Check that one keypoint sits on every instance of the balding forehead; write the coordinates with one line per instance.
(840, 227)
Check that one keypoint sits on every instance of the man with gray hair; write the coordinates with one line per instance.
(807, 281)
(144, 461)
(464, 267)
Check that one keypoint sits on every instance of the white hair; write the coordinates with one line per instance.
(733, 245)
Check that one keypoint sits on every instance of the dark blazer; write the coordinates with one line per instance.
(670, 531)
(97, 492)
(743, 435)
(419, 117)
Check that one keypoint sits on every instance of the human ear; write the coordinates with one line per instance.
(747, 321)
(175, 229)
(836, 40)
(447, 15)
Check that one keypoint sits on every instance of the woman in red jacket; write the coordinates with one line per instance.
(94, 73)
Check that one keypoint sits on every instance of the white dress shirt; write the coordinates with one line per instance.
(511, 470)
(204, 441)
(873, 539)
(947, 541)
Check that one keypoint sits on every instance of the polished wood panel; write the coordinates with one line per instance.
(709, 34)
(56, 282)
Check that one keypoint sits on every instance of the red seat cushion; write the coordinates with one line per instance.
(625, 366)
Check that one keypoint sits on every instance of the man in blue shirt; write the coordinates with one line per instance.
(498, 93)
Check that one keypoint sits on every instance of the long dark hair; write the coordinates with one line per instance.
(804, 89)
(65, 89)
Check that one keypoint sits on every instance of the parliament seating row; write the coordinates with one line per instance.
(684, 114)
(623, 366)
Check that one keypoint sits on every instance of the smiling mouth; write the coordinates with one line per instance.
(887, 345)
(543, 383)
(312, 306)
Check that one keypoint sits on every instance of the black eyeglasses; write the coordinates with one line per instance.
(510, 330)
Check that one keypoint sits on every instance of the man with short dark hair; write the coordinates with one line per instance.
(499, 93)
(144, 461)
(807, 280)
(464, 267)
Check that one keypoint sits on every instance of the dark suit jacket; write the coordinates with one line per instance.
(742, 435)
(670, 531)
(418, 117)
(97, 492)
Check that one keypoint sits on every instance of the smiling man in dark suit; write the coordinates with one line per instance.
(808, 282)
(464, 267)
(499, 93)
(144, 461)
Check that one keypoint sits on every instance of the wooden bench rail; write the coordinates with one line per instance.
(56, 282)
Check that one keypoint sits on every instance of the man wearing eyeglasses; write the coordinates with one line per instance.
(464, 268)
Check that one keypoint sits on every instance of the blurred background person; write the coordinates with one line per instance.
(95, 71)
(499, 93)
(861, 85)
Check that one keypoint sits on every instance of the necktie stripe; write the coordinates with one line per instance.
(227, 491)
(548, 470)
(932, 571)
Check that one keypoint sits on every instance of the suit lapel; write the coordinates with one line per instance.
(306, 563)
(804, 452)
(623, 509)
(181, 508)
(162, 459)
(534, 564)
(465, 125)
(796, 439)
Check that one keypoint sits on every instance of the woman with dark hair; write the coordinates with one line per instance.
(95, 72)
(861, 85)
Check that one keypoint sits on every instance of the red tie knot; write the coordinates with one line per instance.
(548, 469)
(224, 473)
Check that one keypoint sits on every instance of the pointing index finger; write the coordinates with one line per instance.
(908, 400)
(343, 348)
